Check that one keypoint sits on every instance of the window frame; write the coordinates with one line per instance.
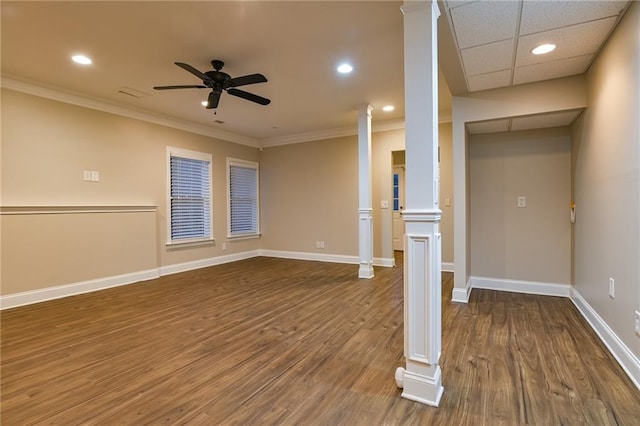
(193, 155)
(246, 164)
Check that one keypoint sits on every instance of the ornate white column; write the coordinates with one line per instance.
(421, 379)
(365, 212)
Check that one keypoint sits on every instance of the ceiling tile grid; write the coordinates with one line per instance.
(495, 38)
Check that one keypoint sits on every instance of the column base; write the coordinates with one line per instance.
(419, 388)
(366, 271)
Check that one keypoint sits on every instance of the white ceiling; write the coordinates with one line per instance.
(524, 122)
(295, 44)
(494, 39)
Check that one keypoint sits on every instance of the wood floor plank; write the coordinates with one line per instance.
(274, 341)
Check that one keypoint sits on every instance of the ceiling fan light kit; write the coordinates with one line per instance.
(219, 81)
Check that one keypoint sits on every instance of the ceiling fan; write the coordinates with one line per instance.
(218, 81)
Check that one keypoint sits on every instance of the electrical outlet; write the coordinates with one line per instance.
(612, 288)
(224, 246)
(638, 323)
(522, 202)
(318, 244)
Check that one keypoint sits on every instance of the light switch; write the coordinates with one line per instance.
(522, 202)
(86, 175)
(384, 204)
(95, 176)
(447, 202)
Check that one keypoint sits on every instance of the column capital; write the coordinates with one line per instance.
(364, 108)
(414, 6)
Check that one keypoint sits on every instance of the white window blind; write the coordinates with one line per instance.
(190, 196)
(243, 198)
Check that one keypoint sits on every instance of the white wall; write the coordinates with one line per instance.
(606, 176)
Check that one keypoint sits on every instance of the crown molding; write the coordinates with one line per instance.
(337, 132)
(57, 94)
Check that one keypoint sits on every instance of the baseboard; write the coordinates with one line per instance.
(204, 263)
(516, 286)
(447, 267)
(58, 292)
(461, 295)
(325, 257)
(627, 360)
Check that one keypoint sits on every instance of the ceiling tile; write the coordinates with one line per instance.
(542, 121)
(545, 15)
(549, 70)
(492, 126)
(484, 22)
(576, 40)
(488, 58)
(489, 80)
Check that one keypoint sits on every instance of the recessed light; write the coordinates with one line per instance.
(345, 68)
(204, 103)
(543, 48)
(388, 108)
(81, 59)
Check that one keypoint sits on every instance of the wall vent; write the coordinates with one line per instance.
(132, 92)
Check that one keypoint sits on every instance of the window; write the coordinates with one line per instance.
(396, 192)
(243, 217)
(189, 196)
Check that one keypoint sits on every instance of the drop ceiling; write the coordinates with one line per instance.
(494, 39)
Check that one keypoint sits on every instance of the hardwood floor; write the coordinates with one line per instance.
(276, 341)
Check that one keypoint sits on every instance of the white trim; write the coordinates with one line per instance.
(461, 295)
(57, 292)
(447, 267)
(517, 286)
(627, 360)
(323, 257)
(205, 263)
(385, 262)
(57, 94)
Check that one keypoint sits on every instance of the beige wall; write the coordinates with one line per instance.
(534, 98)
(309, 193)
(46, 145)
(446, 191)
(525, 244)
(606, 175)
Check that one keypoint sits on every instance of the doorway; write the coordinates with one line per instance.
(398, 199)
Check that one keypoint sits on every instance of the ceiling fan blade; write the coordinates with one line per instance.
(249, 96)
(214, 99)
(189, 86)
(193, 71)
(247, 79)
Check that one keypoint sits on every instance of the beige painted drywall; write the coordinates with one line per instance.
(553, 95)
(309, 193)
(446, 191)
(46, 146)
(525, 244)
(606, 176)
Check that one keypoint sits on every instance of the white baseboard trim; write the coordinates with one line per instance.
(447, 267)
(58, 292)
(324, 257)
(204, 263)
(461, 295)
(516, 286)
(627, 360)
(319, 257)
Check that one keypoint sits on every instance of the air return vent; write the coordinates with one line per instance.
(132, 92)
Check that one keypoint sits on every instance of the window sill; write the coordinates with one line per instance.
(243, 237)
(191, 243)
